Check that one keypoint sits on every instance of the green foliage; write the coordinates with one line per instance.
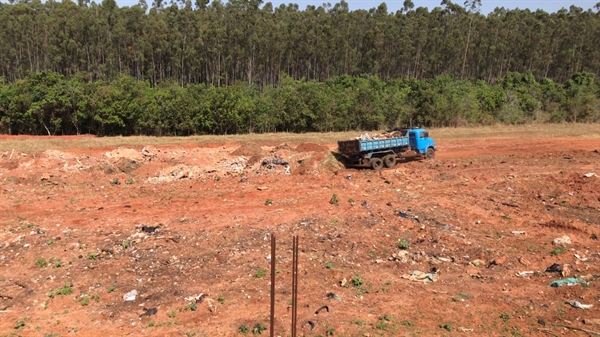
(41, 262)
(191, 306)
(243, 329)
(49, 103)
(65, 290)
(403, 244)
(260, 273)
(558, 251)
(258, 329)
(357, 281)
(84, 300)
(334, 200)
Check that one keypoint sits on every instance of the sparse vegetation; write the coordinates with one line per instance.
(268, 202)
(260, 273)
(243, 329)
(258, 329)
(334, 200)
(403, 244)
(357, 281)
(41, 262)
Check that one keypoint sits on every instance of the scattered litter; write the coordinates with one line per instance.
(262, 188)
(130, 296)
(147, 153)
(149, 312)
(554, 268)
(564, 240)
(461, 329)
(197, 298)
(518, 232)
(525, 273)
(589, 175)
(321, 309)
(343, 282)
(571, 281)
(149, 229)
(402, 214)
(477, 262)
(420, 276)
(583, 259)
(236, 165)
(312, 325)
(579, 305)
(332, 296)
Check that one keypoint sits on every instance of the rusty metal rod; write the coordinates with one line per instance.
(293, 281)
(295, 286)
(272, 330)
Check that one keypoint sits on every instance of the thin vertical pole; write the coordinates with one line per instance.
(294, 285)
(272, 285)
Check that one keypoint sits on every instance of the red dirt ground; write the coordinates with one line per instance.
(71, 221)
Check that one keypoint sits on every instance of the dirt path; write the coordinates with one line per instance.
(81, 228)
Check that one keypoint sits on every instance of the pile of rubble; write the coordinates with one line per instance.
(273, 164)
(384, 135)
(176, 172)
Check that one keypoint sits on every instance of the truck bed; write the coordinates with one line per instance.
(356, 146)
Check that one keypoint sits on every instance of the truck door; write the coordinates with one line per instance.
(412, 139)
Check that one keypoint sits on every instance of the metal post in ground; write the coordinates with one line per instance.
(294, 284)
(272, 285)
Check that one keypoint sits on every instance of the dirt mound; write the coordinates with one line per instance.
(128, 165)
(284, 146)
(247, 150)
(311, 147)
(121, 152)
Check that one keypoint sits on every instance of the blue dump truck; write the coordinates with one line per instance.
(385, 152)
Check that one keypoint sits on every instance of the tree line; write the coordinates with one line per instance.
(51, 103)
(224, 43)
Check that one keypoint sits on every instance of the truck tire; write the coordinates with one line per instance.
(389, 160)
(376, 164)
(430, 153)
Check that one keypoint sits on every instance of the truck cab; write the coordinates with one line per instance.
(421, 143)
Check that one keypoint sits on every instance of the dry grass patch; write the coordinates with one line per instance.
(34, 144)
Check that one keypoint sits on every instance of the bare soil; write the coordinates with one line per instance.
(80, 228)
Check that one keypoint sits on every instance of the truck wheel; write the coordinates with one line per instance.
(376, 164)
(389, 160)
(430, 153)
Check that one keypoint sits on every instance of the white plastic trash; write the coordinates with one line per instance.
(130, 296)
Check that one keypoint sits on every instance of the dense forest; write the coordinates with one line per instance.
(187, 67)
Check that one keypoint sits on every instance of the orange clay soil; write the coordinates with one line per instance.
(79, 229)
